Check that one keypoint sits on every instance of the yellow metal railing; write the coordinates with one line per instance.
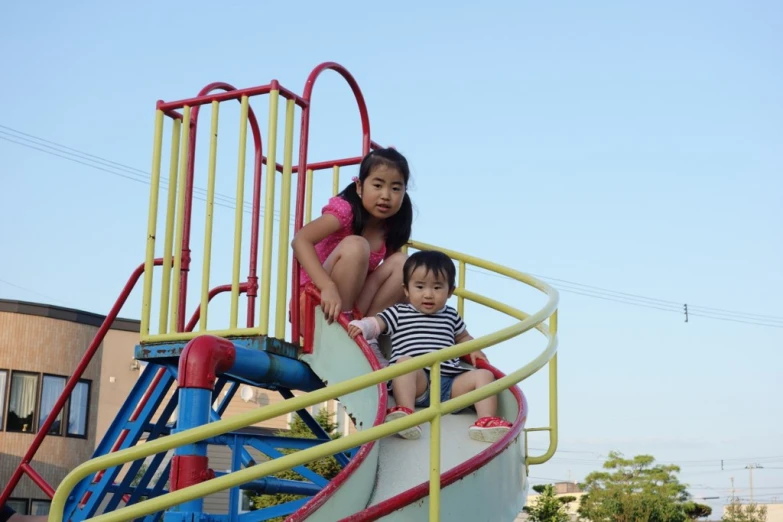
(431, 414)
(170, 313)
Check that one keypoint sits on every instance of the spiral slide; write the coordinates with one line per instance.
(388, 480)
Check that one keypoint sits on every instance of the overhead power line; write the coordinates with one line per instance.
(52, 148)
(31, 141)
(650, 302)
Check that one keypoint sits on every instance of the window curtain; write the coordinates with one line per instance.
(22, 403)
(51, 390)
(77, 416)
(3, 381)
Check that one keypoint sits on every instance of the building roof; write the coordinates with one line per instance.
(66, 314)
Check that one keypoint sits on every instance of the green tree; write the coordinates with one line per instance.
(546, 507)
(326, 467)
(736, 512)
(694, 510)
(634, 490)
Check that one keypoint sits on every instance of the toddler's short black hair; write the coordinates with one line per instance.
(433, 261)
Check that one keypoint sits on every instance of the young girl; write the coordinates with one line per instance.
(352, 252)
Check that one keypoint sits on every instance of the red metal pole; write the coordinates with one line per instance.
(185, 255)
(38, 479)
(304, 137)
(258, 144)
(70, 385)
(205, 96)
(212, 293)
(252, 274)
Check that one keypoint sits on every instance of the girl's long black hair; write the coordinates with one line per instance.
(398, 227)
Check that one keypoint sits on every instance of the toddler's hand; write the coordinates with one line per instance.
(330, 303)
(475, 356)
(353, 330)
(368, 327)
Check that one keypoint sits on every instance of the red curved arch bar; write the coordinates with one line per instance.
(364, 451)
(304, 137)
(252, 278)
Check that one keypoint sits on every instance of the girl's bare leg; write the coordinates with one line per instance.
(347, 266)
(383, 287)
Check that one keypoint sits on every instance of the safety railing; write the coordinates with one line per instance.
(431, 414)
(176, 247)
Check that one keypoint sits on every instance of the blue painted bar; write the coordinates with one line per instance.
(245, 456)
(271, 452)
(195, 407)
(276, 441)
(233, 493)
(274, 371)
(316, 428)
(272, 486)
(252, 365)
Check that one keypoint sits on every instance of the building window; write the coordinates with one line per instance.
(3, 382)
(245, 504)
(18, 504)
(40, 507)
(21, 406)
(77, 413)
(51, 389)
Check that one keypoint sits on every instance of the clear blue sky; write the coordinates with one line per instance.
(632, 148)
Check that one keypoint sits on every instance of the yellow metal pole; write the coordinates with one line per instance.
(435, 443)
(269, 210)
(152, 219)
(553, 427)
(335, 180)
(461, 284)
(240, 207)
(165, 285)
(180, 226)
(285, 219)
(213, 129)
(308, 196)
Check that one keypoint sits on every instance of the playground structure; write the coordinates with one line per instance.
(442, 476)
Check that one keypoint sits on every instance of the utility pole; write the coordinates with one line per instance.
(733, 495)
(751, 467)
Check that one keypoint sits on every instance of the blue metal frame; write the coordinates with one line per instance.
(252, 366)
(160, 428)
(99, 490)
(316, 428)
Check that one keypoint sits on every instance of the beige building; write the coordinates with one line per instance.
(774, 512)
(40, 347)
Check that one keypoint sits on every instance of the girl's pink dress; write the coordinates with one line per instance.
(341, 209)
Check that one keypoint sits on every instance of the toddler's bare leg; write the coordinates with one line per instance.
(472, 380)
(347, 266)
(406, 388)
(383, 287)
